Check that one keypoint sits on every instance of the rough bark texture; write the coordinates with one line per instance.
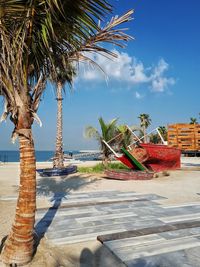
(58, 161)
(18, 247)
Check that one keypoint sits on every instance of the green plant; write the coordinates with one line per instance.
(145, 122)
(108, 131)
(100, 168)
(193, 121)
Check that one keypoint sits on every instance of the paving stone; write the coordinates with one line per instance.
(133, 241)
(143, 224)
(177, 233)
(194, 231)
(190, 206)
(156, 248)
(161, 234)
(80, 231)
(79, 238)
(173, 259)
(121, 220)
(177, 218)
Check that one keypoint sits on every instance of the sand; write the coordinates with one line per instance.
(179, 187)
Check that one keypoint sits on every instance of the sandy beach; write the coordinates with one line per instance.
(181, 186)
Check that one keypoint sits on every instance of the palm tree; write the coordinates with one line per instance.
(163, 132)
(65, 76)
(145, 122)
(108, 131)
(62, 76)
(32, 35)
(127, 136)
(154, 138)
(193, 121)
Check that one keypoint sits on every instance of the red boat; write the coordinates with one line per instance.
(149, 157)
(128, 175)
(157, 157)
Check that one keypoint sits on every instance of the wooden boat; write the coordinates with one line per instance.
(128, 175)
(148, 157)
(125, 160)
(47, 172)
(157, 157)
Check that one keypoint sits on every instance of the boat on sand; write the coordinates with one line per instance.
(145, 158)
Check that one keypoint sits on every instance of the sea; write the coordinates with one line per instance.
(41, 156)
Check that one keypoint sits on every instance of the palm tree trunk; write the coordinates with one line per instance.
(19, 245)
(58, 161)
(144, 132)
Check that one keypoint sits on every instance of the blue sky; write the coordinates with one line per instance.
(157, 73)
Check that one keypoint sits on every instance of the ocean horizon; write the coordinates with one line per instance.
(41, 155)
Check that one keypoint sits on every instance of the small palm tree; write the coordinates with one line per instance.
(145, 122)
(155, 138)
(193, 120)
(127, 136)
(108, 131)
(163, 132)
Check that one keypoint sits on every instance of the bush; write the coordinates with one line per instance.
(100, 168)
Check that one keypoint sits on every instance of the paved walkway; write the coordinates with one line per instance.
(135, 227)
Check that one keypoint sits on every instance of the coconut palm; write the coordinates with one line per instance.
(193, 121)
(62, 76)
(155, 138)
(127, 136)
(145, 122)
(65, 76)
(163, 132)
(32, 35)
(108, 131)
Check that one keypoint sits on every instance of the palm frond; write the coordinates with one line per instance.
(91, 132)
(107, 34)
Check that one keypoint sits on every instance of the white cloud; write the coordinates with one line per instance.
(138, 95)
(158, 81)
(128, 69)
(161, 83)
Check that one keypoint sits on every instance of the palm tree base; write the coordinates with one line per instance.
(15, 255)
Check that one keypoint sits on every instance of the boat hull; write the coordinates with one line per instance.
(125, 161)
(161, 157)
(128, 175)
(47, 172)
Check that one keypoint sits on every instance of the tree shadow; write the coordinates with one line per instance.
(101, 257)
(57, 188)
(2, 243)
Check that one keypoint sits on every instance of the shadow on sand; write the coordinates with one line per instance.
(57, 188)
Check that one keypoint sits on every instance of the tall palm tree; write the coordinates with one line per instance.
(193, 121)
(32, 34)
(145, 122)
(64, 76)
(108, 131)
